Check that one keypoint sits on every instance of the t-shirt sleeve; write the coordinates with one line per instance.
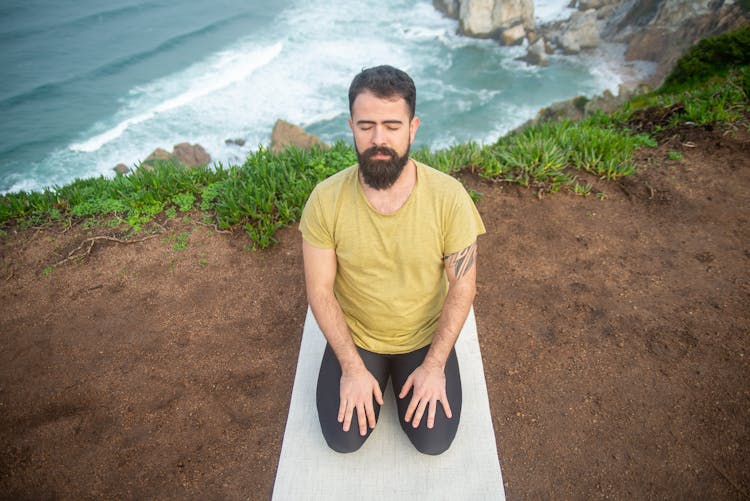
(314, 225)
(464, 224)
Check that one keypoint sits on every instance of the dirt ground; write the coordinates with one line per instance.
(615, 335)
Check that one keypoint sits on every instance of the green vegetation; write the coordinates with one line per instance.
(181, 241)
(710, 85)
(674, 155)
(583, 190)
(709, 58)
(720, 100)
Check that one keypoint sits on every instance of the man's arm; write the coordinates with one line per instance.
(428, 380)
(358, 385)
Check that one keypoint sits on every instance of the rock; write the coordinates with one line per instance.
(647, 45)
(572, 109)
(121, 168)
(581, 32)
(510, 12)
(191, 155)
(485, 18)
(513, 36)
(661, 31)
(448, 7)
(238, 142)
(158, 155)
(584, 5)
(476, 18)
(605, 12)
(537, 53)
(285, 134)
(608, 102)
(581, 106)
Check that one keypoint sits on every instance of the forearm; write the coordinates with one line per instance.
(331, 320)
(455, 310)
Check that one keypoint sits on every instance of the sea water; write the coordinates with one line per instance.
(89, 84)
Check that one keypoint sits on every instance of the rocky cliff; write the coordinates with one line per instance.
(507, 19)
(662, 30)
(653, 30)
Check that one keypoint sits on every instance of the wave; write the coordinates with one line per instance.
(548, 11)
(171, 43)
(51, 89)
(229, 69)
(44, 91)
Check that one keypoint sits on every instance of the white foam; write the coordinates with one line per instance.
(230, 68)
(299, 67)
(547, 11)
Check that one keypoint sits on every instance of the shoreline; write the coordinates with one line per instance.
(611, 55)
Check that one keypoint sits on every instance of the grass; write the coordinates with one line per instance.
(268, 191)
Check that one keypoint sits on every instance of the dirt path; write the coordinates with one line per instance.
(615, 337)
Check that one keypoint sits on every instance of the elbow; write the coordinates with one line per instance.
(465, 291)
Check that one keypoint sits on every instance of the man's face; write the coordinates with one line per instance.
(383, 134)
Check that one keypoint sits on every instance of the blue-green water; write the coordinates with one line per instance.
(85, 86)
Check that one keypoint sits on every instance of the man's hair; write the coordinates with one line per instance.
(384, 82)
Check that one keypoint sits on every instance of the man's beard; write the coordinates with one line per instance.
(381, 174)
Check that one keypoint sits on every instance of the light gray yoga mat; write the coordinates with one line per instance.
(387, 467)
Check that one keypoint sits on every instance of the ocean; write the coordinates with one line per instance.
(89, 84)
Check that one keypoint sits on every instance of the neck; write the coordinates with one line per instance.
(391, 199)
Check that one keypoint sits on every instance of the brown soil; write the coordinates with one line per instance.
(615, 338)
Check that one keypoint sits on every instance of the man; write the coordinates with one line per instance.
(389, 250)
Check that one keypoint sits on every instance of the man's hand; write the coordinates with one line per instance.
(428, 383)
(356, 391)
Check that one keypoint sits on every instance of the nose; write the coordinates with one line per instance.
(378, 136)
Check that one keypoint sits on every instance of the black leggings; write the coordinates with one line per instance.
(428, 441)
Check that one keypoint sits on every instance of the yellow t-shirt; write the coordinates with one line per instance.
(390, 278)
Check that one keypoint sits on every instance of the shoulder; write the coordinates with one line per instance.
(334, 183)
(329, 193)
(439, 183)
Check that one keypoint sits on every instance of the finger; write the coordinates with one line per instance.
(411, 408)
(419, 413)
(446, 406)
(370, 411)
(407, 386)
(348, 416)
(342, 411)
(431, 413)
(362, 420)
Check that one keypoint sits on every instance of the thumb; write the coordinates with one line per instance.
(376, 391)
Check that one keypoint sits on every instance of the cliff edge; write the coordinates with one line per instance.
(658, 31)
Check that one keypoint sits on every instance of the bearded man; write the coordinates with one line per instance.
(390, 255)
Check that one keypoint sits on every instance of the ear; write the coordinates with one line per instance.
(413, 126)
(351, 124)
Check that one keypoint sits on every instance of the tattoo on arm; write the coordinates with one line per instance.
(462, 261)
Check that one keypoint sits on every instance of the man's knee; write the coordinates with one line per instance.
(433, 446)
(343, 441)
(438, 439)
(344, 444)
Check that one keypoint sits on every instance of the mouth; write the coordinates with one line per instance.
(379, 154)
